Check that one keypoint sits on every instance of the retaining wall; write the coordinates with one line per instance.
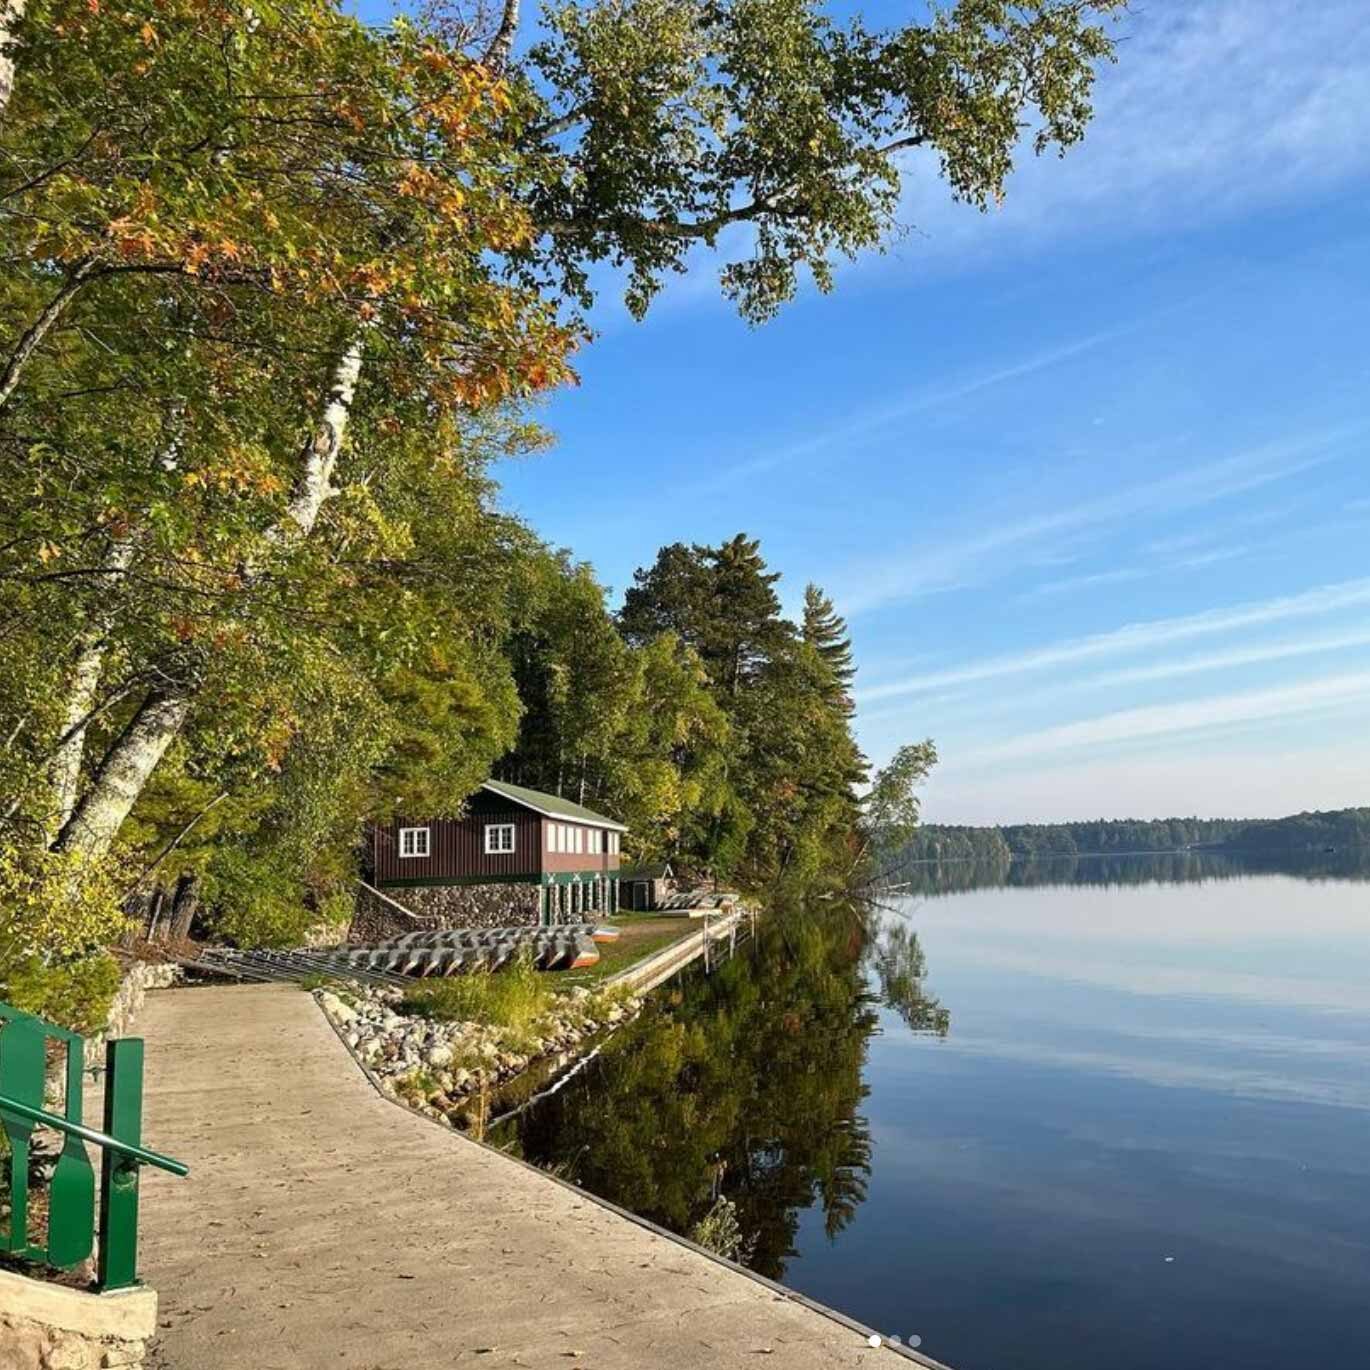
(443, 906)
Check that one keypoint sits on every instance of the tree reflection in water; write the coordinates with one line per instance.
(901, 967)
(743, 1085)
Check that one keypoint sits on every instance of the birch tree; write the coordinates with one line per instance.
(11, 15)
(298, 216)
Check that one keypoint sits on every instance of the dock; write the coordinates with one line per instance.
(716, 935)
(323, 1225)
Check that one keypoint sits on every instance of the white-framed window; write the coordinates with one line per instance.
(551, 837)
(559, 829)
(596, 841)
(580, 839)
(499, 839)
(414, 841)
(613, 844)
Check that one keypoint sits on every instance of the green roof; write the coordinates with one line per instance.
(554, 806)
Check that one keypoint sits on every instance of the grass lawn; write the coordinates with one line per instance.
(640, 935)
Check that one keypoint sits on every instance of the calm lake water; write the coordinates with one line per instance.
(1092, 1114)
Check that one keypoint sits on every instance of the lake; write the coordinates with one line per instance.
(1057, 1116)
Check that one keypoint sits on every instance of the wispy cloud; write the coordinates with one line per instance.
(1133, 638)
(1134, 725)
(877, 419)
(1215, 107)
(971, 557)
(1234, 659)
(1117, 576)
(1123, 574)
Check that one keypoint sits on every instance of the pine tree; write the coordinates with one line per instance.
(825, 630)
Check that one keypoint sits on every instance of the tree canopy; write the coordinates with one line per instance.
(276, 288)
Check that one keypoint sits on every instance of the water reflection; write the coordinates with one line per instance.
(1058, 1116)
(740, 1085)
(901, 968)
(1182, 867)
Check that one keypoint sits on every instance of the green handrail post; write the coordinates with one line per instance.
(22, 1061)
(71, 1196)
(118, 1259)
(71, 1228)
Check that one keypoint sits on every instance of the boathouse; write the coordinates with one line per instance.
(514, 856)
(647, 887)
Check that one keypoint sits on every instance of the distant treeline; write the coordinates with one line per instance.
(1298, 832)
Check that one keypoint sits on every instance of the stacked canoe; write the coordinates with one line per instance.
(397, 960)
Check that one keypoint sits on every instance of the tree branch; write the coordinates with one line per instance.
(708, 228)
(42, 325)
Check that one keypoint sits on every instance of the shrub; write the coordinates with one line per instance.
(56, 916)
(76, 994)
(55, 906)
(515, 997)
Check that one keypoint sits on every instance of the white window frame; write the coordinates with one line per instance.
(613, 843)
(494, 844)
(419, 839)
(580, 840)
(560, 829)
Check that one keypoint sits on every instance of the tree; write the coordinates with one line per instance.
(361, 229)
(267, 270)
(891, 808)
(772, 130)
(826, 632)
(719, 600)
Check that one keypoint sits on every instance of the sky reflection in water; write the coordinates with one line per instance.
(1142, 1141)
(1133, 1072)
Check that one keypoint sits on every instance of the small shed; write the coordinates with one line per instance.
(644, 888)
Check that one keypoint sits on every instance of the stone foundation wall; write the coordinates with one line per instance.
(444, 906)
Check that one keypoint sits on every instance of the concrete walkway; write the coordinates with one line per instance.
(323, 1225)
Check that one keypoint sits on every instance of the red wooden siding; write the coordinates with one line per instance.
(456, 848)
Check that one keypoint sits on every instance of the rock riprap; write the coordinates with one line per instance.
(436, 1066)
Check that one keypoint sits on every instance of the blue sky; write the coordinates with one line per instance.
(1088, 475)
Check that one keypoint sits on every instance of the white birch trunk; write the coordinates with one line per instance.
(11, 12)
(85, 684)
(129, 763)
(123, 773)
(320, 454)
(497, 54)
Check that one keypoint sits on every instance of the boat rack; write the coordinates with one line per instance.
(415, 955)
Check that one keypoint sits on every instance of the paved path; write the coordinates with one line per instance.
(323, 1226)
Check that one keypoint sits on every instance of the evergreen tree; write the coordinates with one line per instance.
(826, 631)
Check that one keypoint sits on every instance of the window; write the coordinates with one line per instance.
(560, 830)
(580, 839)
(613, 844)
(413, 841)
(499, 838)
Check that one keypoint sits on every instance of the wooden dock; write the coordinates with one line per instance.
(716, 935)
(325, 1226)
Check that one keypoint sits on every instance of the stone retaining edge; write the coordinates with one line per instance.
(125, 1314)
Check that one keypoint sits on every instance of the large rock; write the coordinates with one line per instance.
(338, 1011)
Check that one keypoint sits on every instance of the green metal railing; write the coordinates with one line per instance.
(71, 1231)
